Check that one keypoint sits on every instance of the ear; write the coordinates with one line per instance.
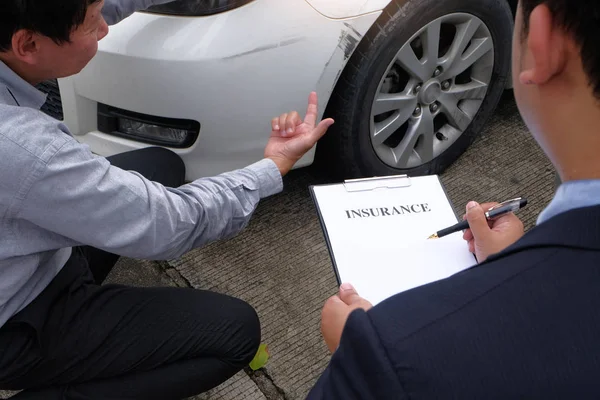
(546, 48)
(25, 46)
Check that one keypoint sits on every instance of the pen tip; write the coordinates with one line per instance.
(434, 236)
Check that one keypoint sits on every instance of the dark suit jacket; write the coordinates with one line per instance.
(525, 324)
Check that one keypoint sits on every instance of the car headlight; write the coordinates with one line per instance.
(194, 8)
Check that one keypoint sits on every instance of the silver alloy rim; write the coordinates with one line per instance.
(432, 90)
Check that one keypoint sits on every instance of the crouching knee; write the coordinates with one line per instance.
(247, 335)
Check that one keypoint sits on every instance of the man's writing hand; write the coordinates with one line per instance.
(490, 237)
(292, 137)
(336, 311)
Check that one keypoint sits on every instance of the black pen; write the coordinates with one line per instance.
(494, 212)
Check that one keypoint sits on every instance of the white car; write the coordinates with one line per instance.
(410, 83)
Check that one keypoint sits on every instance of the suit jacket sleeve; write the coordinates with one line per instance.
(360, 368)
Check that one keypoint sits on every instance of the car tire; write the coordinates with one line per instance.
(348, 150)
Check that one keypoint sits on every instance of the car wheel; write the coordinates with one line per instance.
(419, 87)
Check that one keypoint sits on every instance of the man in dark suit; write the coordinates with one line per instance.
(525, 322)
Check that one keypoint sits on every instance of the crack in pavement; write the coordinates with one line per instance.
(172, 273)
(265, 384)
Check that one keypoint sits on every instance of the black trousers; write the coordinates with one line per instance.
(80, 340)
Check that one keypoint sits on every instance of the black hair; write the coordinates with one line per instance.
(580, 18)
(55, 19)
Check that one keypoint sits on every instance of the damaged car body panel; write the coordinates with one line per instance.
(212, 70)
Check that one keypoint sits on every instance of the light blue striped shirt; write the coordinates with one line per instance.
(56, 194)
(572, 195)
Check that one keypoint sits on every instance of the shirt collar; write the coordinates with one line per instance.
(572, 195)
(24, 94)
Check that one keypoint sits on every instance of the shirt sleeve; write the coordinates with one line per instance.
(115, 11)
(82, 197)
(360, 368)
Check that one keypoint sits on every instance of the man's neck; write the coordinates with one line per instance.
(572, 137)
(20, 69)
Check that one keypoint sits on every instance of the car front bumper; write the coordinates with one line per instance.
(232, 72)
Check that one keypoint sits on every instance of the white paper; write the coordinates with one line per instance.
(388, 254)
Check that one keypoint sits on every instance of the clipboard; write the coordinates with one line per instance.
(392, 187)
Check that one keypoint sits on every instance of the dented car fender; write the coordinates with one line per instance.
(351, 34)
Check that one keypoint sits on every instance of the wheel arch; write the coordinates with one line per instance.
(391, 5)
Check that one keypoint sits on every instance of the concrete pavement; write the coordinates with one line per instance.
(281, 266)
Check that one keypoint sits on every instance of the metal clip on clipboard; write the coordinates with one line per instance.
(383, 182)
